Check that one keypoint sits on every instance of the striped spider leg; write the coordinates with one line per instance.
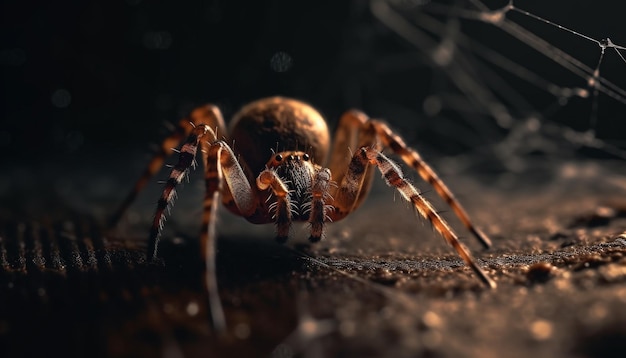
(220, 165)
(357, 130)
(208, 114)
(223, 176)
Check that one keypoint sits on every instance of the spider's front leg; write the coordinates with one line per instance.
(414, 160)
(356, 128)
(220, 166)
(209, 115)
(186, 160)
(394, 177)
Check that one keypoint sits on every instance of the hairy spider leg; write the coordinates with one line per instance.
(357, 130)
(415, 161)
(186, 159)
(220, 166)
(207, 114)
(393, 176)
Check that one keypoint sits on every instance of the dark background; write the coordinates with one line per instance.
(87, 85)
(85, 77)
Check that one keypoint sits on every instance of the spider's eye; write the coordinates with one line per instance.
(291, 157)
(305, 157)
(278, 157)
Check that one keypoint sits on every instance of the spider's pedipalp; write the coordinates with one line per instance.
(269, 179)
(318, 208)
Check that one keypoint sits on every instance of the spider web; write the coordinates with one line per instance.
(519, 75)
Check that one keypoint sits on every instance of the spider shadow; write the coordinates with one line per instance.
(240, 261)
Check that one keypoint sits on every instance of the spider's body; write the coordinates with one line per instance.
(285, 125)
(276, 165)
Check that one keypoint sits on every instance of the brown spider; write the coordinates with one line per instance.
(291, 185)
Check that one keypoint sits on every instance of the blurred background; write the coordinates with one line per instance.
(524, 120)
(88, 86)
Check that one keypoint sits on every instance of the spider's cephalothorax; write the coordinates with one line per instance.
(304, 179)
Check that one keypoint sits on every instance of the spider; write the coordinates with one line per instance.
(270, 186)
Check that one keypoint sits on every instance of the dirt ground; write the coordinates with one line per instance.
(382, 284)
(516, 130)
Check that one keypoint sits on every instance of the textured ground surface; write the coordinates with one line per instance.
(382, 284)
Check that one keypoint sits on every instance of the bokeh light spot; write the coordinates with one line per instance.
(12, 57)
(157, 40)
(74, 140)
(61, 98)
(281, 62)
(5, 139)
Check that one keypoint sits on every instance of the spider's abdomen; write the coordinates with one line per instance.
(279, 124)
